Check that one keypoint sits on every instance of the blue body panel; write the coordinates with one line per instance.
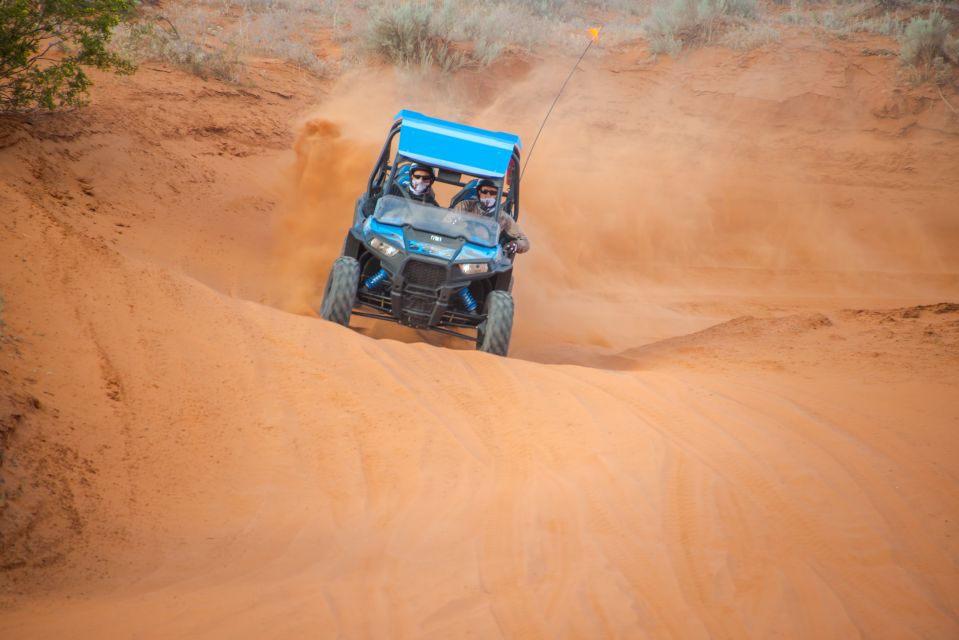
(455, 146)
(393, 235)
(429, 249)
(469, 252)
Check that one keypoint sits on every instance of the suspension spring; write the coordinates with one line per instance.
(376, 279)
(467, 299)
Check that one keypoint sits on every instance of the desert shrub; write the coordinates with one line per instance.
(844, 18)
(838, 20)
(564, 10)
(678, 23)
(887, 24)
(280, 34)
(835, 22)
(186, 40)
(299, 54)
(453, 33)
(749, 36)
(510, 27)
(447, 34)
(406, 34)
(44, 47)
(495, 28)
(666, 25)
(797, 14)
(735, 8)
(222, 64)
(926, 39)
(299, 6)
(428, 34)
(485, 51)
(927, 50)
(190, 39)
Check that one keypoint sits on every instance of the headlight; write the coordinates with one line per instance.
(385, 248)
(474, 267)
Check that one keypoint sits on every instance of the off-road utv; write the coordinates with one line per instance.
(424, 266)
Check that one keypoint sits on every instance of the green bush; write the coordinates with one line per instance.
(45, 45)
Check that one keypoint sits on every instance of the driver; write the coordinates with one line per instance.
(485, 205)
(420, 188)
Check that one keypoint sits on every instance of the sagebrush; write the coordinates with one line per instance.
(928, 48)
(674, 24)
(192, 38)
(187, 44)
(452, 34)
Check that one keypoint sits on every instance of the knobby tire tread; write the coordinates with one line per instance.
(340, 292)
(495, 337)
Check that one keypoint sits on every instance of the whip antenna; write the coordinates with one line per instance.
(594, 33)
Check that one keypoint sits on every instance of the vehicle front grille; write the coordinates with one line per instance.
(424, 274)
(421, 280)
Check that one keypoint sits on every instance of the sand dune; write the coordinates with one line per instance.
(729, 411)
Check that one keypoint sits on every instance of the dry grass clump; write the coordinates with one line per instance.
(279, 34)
(191, 43)
(750, 36)
(212, 38)
(928, 51)
(299, 6)
(451, 34)
(928, 48)
(674, 24)
(211, 44)
(887, 24)
(841, 19)
(564, 10)
(215, 38)
(409, 34)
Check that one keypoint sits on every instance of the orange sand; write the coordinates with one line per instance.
(729, 411)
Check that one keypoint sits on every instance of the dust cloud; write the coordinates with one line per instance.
(631, 200)
(324, 180)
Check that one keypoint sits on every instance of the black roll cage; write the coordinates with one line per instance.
(378, 183)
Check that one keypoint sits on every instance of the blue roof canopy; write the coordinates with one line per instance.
(455, 146)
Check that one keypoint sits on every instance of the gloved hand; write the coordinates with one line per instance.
(510, 248)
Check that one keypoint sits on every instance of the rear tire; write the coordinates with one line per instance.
(494, 334)
(340, 293)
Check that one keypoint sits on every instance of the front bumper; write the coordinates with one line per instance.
(421, 295)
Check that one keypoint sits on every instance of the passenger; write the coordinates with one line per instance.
(420, 188)
(484, 205)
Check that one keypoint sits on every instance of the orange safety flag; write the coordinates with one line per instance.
(594, 32)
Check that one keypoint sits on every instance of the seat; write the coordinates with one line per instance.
(468, 192)
(402, 178)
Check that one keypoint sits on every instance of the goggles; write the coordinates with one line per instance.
(487, 191)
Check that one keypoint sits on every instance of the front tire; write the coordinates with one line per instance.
(340, 293)
(493, 334)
